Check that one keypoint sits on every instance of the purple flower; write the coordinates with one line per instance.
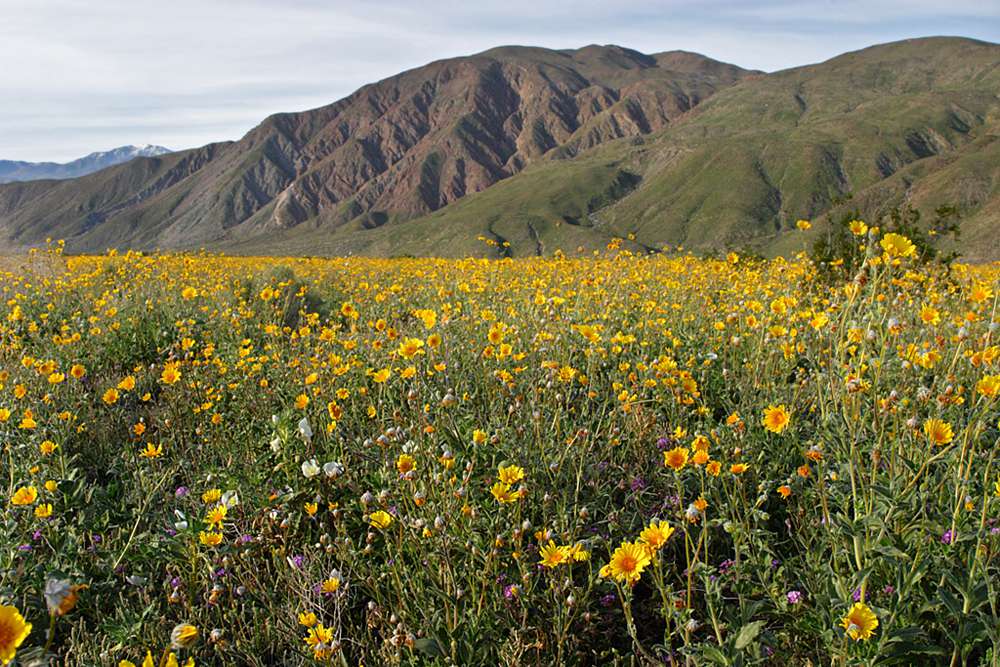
(37, 535)
(297, 561)
(175, 582)
(946, 538)
(181, 491)
(608, 600)
(888, 590)
(24, 547)
(638, 484)
(857, 595)
(794, 597)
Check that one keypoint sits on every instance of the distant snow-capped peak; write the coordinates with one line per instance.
(29, 171)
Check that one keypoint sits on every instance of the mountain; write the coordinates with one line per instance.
(393, 150)
(538, 150)
(915, 122)
(12, 170)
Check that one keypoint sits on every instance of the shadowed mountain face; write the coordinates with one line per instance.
(538, 150)
(14, 170)
(397, 149)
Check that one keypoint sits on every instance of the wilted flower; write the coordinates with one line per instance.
(60, 596)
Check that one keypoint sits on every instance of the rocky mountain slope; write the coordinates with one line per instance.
(393, 150)
(520, 151)
(15, 170)
(913, 123)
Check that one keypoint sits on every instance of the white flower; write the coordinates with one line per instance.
(310, 468)
(276, 444)
(333, 469)
(231, 498)
(305, 430)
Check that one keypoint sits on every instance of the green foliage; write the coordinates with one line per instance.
(281, 411)
(840, 253)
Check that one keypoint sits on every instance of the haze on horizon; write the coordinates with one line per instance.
(82, 78)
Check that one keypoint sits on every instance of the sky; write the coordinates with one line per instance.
(86, 75)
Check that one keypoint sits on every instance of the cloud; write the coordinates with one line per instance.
(89, 76)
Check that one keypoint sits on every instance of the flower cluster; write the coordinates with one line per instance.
(614, 459)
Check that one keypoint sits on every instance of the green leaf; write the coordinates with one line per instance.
(891, 551)
(909, 635)
(950, 602)
(747, 634)
(715, 655)
(428, 646)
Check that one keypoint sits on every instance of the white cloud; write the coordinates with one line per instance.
(84, 76)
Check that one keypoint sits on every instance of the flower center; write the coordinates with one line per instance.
(6, 635)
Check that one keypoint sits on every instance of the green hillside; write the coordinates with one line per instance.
(913, 121)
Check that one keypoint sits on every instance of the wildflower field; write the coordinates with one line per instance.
(629, 460)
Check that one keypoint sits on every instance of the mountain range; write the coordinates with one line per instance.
(536, 150)
(15, 170)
